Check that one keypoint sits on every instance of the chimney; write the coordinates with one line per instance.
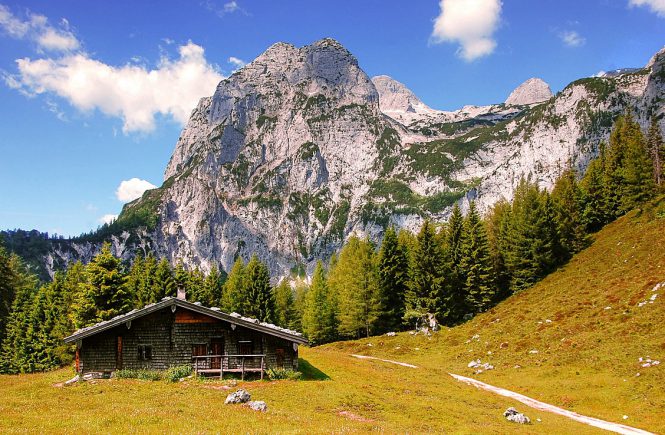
(182, 295)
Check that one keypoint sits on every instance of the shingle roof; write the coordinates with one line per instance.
(214, 312)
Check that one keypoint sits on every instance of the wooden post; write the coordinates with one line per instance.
(262, 367)
(221, 368)
(242, 375)
(196, 367)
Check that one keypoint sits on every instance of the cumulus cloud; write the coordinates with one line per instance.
(226, 8)
(572, 38)
(108, 218)
(471, 23)
(237, 63)
(131, 189)
(37, 28)
(132, 92)
(656, 6)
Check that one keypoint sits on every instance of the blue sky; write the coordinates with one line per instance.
(95, 93)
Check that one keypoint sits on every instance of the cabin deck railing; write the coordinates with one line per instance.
(213, 364)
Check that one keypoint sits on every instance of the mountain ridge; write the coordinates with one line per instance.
(294, 152)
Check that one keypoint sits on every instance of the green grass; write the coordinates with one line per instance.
(586, 362)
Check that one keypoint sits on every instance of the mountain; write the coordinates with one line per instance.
(300, 148)
(532, 91)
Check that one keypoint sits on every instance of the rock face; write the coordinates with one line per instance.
(531, 91)
(299, 149)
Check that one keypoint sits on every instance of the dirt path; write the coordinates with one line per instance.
(385, 360)
(533, 403)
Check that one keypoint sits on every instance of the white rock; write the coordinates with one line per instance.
(532, 91)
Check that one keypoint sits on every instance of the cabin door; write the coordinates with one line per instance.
(118, 353)
(216, 348)
(199, 350)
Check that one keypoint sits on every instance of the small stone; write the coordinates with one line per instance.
(258, 405)
(240, 396)
(72, 381)
(533, 351)
(608, 308)
(473, 364)
(391, 334)
(625, 417)
(515, 416)
(548, 321)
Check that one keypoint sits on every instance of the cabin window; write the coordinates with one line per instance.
(145, 352)
(245, 348)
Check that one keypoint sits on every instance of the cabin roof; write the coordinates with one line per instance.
(234, 318)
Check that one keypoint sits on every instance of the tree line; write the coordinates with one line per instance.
(448, 271)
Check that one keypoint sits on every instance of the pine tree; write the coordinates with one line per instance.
(213, 286)
(393, 277)
(318, 317)
(656, 149)
(476, 262)
(234, 288)
(453, 241)
(259, 302)
(284, 304)
(594, 193)
(354, 281)
(424, 295)
(567, 199)
(164, 284)
(103, 295)
(497, 222)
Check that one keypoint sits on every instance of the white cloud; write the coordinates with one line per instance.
(656, 6)
(37, 29)
(226, 8)
(571, 38)
(131, 189)
(108, 218)
(471, 23)
(131, 92)
(237, 63)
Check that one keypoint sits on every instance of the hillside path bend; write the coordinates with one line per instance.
(533, 403)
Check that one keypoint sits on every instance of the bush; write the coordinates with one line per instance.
(175, 373)
(277, 374)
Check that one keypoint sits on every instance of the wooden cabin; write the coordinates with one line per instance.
(175, 332)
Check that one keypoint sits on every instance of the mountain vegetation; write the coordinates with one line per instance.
(448, 272)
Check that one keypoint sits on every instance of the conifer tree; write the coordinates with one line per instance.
(594, 193)
(258, 301)
(181, 277)
(195, 286)
(284, 304)
(393, 277)
(164, 284)
(453, 234)
(234, 288)
(497, 222)
(567, 199)
(318, 317)
(354, 281)
(424, 295)
(213, 286)
(656, 149)
(103, 295)
(476, 262)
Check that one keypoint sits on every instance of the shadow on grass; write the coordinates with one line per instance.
(309, 372)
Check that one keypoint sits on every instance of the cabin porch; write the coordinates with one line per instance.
(217, 365)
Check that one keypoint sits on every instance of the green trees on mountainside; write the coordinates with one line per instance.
(449, 271)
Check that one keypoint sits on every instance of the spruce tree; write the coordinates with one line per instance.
(476, 262)
(637, 171)
(318, 317)
(656, 148)
(213, 286)
(393, 278)
(164, 284)
(284, 304)
(567, 199)
(594, 193)
(258, 302)
(354, 281)
(453, 234)
(497, 222)
(103, 295)
(424, 295)
(234, 288)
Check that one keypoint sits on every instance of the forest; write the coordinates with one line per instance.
(450, 271)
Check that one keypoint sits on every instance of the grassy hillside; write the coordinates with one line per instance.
(585, 322)
(587, 361)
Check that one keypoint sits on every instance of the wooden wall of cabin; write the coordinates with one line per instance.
(171, 337)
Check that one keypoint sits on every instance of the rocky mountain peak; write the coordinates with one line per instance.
(396, 97)
(532, 91)
(658, 57)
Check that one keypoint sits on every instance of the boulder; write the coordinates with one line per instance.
(258, 405)
(515, 416)
(72, 381)
(240, 396)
